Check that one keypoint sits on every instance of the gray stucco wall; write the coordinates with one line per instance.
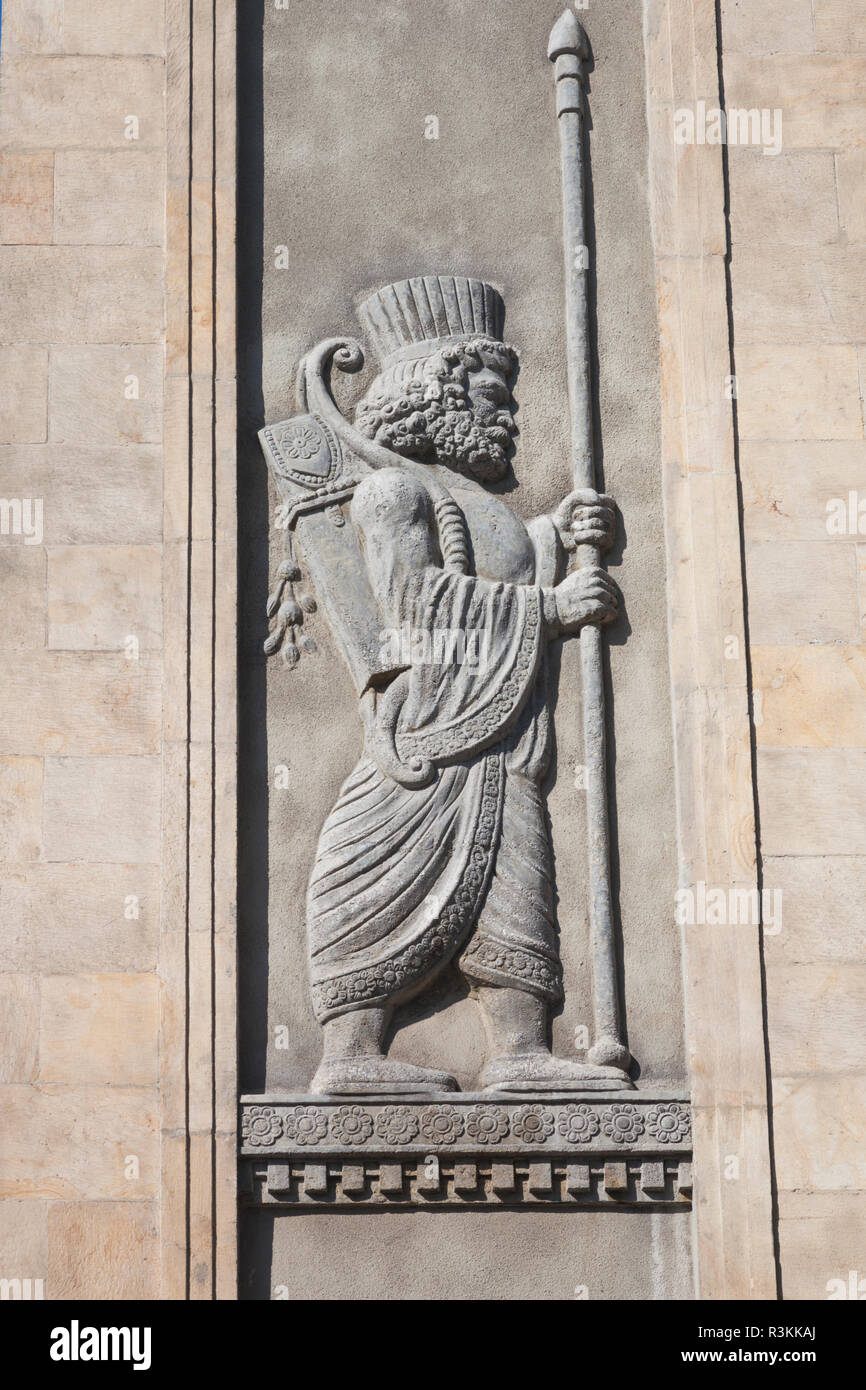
(360, 198)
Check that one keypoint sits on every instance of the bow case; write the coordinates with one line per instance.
(316, 465)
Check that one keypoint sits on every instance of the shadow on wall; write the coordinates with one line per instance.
(253, 535)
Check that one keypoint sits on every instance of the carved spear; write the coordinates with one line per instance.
(568, 50)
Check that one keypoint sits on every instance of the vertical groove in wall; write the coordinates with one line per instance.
(759, 862)
(177, 606)
(213, 658)
(189, 524)
(725, 1024)
(198, 1039)
(225, 653)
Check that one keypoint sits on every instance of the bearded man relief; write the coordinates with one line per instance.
(444, 603)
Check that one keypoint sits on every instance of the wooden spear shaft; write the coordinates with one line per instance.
(568, 50)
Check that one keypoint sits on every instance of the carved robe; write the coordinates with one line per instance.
(408, 878)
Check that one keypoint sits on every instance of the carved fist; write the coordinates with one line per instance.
(586, 596)
(586, 517)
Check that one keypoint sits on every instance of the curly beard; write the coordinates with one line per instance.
(425, 413)
(471, 440)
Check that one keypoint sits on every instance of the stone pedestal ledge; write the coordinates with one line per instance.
(466, 1149)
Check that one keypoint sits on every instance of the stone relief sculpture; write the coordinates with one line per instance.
(444, 602)
(437, 854)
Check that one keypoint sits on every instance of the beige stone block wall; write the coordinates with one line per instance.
(23, 394)
(82, 180)
(798, 278)
(109, 929)
(26, 197)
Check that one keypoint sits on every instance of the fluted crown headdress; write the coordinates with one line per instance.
(430, 311)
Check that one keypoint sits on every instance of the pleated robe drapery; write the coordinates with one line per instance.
(409, 878)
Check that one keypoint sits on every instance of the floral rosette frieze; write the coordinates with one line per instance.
(441, 1124)
(622, 1123)
(396, 1124)
(487, 1124)
(502, 1125)
(533, 1124)
(578, 1124)
(670, 1124)
(351, 1124)
(262, 1126)
(306, 1125)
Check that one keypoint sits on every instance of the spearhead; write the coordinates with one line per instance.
(568, 48)
(568, 36)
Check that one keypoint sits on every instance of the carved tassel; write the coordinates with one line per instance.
(289, 612)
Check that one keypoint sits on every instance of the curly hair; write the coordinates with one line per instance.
(422, 410)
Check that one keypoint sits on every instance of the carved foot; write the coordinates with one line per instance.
(540, 1071)
(376, 1075)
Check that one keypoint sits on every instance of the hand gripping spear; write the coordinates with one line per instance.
(569, 51)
